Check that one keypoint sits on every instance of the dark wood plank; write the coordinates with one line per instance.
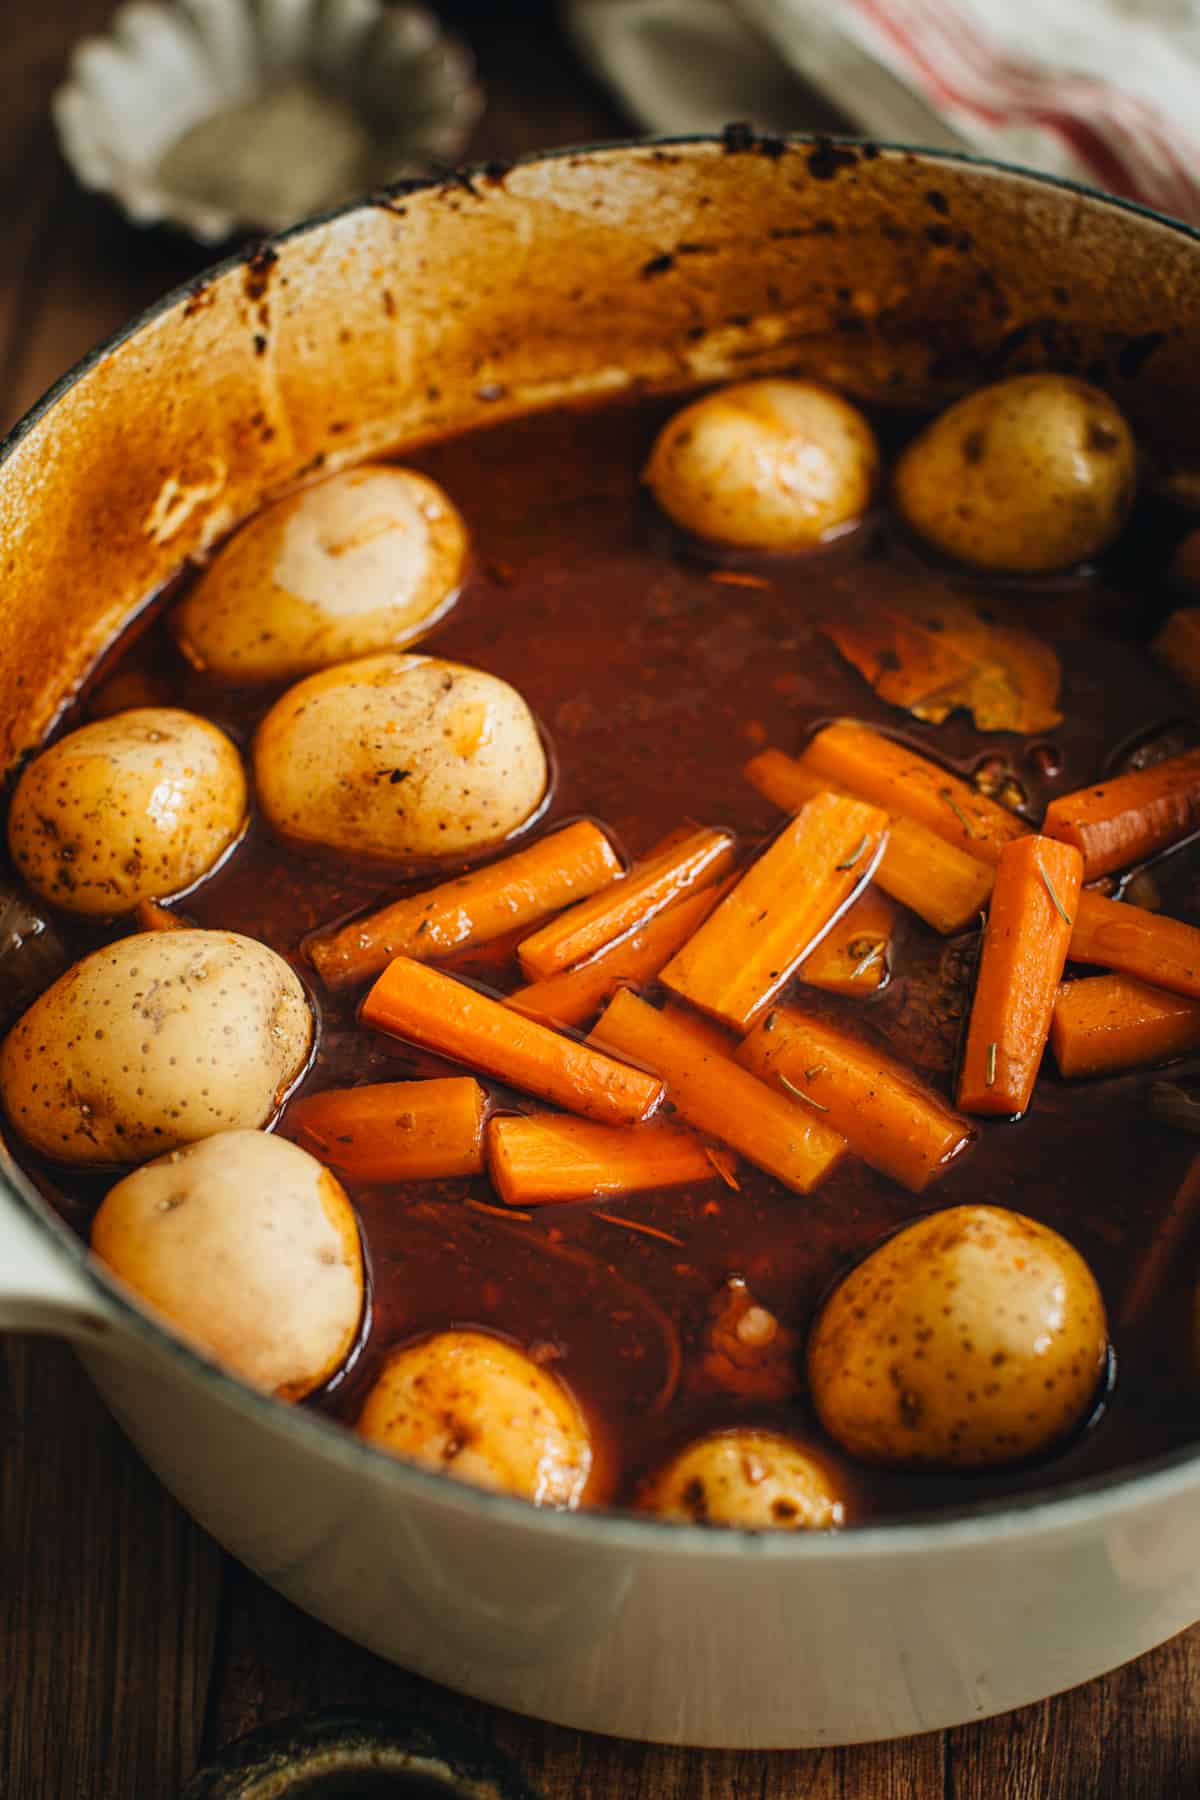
(109, 1599)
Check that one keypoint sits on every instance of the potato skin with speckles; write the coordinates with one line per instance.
(757, 1480)
(470, 1405)
(973, 1338)
(400, 758)
(765, 465)
(1028, 475)
(153, 1042)
(133, 807)
(249, 1248)
(367, 560)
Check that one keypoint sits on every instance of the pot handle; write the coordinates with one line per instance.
(41, 1287)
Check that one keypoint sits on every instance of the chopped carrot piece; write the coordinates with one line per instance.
(577, 994)
(1025, 943)
(395, 1130)
(852, 957)
(547, 1158)
(1114, 935)
(704, 1032)
(1125, 820)
(884, 1113)
(779, 910)
(712, 1093)
(940, 883)
(1178, 645)
(431, 1009)
(648, 889)
(888, 774)
(1112, 1022)
(148, 915)
(564, 866)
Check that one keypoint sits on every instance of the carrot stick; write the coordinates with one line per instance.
(1125, 820)
(648, 889)
(148, 915)
(537, 1161)
(888, 774)
(1025, 943)
(780, 909)
(1178, 645)
(1111, 933)
(940, 883)
(704, 1032)
(886, 1116)
(1113, 1022)
(853, 956)
(562, 867)
(577, 994)
(395, 1130)
(433, 1010)
(712, 1093)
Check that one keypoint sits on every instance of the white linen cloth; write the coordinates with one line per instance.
(1104, 91)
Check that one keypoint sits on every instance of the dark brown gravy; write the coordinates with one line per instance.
(654, 681)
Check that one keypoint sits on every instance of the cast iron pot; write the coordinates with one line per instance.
(580, 275)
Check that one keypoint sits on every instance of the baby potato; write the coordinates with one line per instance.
(399, 757)
(153, 1042)
(1029, 475)
(766, 465)
(472, 1406)
(130, 807)
(755, 1479)
(366, 561)
(249, 1248)
(973, 1338)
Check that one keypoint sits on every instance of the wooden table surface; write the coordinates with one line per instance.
(131, 1647)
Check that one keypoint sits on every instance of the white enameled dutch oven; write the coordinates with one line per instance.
(583, 274)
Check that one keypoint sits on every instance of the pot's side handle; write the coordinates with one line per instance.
(41, 1288)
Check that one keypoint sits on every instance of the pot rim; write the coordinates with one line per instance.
(970, 1524)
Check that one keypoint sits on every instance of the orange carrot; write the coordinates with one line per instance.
(1114, 935)
(711, 1092)
(1125, 820)
(941, 884)
(852, 957)
(648, 889)
(885, 1114)
(148, 915)
(888, 774)
(779, 910)
(577, 994)
(1113, 1022)
(1025, 943)
(395, 1130)
(704, 1032)
(433, 1010)
(562, 867)
(537, 1161)
(1178, 645)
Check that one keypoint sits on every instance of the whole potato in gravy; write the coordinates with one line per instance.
(365, 561)
(974, 1337)
(1029, 475)
(399, 757)
(470, 1405)
(765, 465)
(132, 807)
(153, 1042)
(249, 1248)
(759, 1480)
